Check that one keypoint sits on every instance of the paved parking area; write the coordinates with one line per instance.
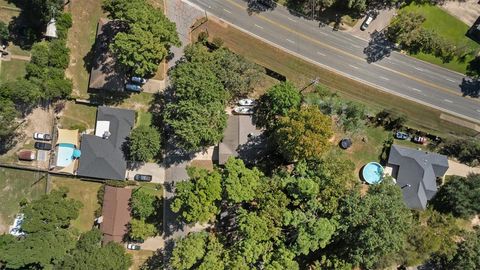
(381, 21)
(155, 170)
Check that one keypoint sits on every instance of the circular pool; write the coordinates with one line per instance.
(372, 173)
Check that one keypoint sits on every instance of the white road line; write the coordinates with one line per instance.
(450, 80)
(353, 66)
(417, 90)
(319, 53)
(448, 100)
(356, 46)
(228, 11)
(384, 78)
(420, 69)
(291, 41)
(325, 34)
(290, 19)
(258, 26)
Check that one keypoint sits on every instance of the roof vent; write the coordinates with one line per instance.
(106, 134)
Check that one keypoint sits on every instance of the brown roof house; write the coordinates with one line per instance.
(106, 74)
(115, 213)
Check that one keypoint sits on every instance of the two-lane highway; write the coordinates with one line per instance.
(343, 53)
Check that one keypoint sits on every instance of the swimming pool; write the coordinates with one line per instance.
(65, 154)
(372, 173)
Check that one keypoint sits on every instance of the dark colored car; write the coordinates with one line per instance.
(143, 177)
(43, 146)
(133, 87)
(27, 155)
(138, 80)
(401, 135)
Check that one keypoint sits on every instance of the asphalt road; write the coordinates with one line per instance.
(339, 51)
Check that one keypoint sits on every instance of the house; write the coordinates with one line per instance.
(105, 73)
(474, 31)
(416, 172)
(103, 153)
(115, 213)
(239, 139)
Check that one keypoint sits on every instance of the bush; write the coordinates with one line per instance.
(465, 150)
(116, 183)
(217, 43)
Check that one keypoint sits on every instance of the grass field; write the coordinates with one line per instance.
(16, 185)
(449, 28)
(85, 192)
(11, 70)
(139, 257)
(301, 73)
(152, 188)
(78, 114)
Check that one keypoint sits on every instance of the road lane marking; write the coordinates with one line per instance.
(419, 69)
(353, 66)
(258, 26)
(319, 53)
(450, 80)
(325, 34)
(291, 41)
(228, 11)
(416, 90)
(384, 78)
(356, 46)
(314, 40)
(448, 100)
(290, 19)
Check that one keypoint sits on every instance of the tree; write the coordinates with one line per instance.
(241, 183)
(459, 196)
(39, 12)
(143, 204)
(277, 101)
(468, 253)
(196, 126)
(144, 143)
(196, 199)
(465, 150)
(367, 234)
(23, 92)
(140, 230)
(303, 134)
(8, 114)
(4, 33)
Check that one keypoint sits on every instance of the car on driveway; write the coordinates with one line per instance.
(133, 247)
(243, 110)
(401, 135)
(419, 139)
(366, 23)
(43, 146)
(143, 177)
(133, 87)
(42, 136)
(247, 102)
(138, 80)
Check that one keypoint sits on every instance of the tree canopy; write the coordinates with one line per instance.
(241, 183)
(144, 143)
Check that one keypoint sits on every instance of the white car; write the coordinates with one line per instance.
(42, 136)
(247, 102)
(366, 23)
(133, 247)
(243, 110)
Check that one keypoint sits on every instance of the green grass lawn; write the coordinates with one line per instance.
(448, 27)
(152, 188)
(75, 115)
(11, 70)
(16, 185)
(85, 192)
(143, 119)
(301, 73)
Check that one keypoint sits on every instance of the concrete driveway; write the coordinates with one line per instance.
(155, 170)
(456, 168)
(381, 21)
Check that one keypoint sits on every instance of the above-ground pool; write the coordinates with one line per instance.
(372, 173)
(65, 154)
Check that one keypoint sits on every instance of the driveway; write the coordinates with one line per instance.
(456, 168)
(155, 170)
(378, 24)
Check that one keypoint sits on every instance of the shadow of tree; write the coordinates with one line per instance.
(470, 87)
(156, 261)
(171, 224)
(378, 47)
(257, 6)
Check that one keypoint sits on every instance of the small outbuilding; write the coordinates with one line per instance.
(116, 214)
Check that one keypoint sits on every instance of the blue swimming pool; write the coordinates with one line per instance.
(372, 173)
(65, 154)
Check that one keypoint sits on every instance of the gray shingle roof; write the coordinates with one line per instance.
(419, 169)
(104, 158)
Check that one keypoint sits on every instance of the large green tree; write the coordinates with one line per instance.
(144, 143)
(8, 114)
(303, 134)
(241, 183)
(23, 92)
(143, 204)
(4, 33)
(197, 199)
(141, 230)
(468, 253)
(277, 101)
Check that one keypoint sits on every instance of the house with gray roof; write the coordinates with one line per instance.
(102, 154)
(416, 172)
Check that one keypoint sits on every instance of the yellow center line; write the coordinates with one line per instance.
(347, 53)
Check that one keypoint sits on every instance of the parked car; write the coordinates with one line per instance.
(419, 139)
(43, 146)
(133, 87)
(138, 80)
(133, 246)
(27, 155)
(143, 177)
(247, 102)
(42, 136)
(401, 135)
(243, 110)
(366, 23)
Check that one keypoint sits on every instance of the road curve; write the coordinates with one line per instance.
(343, 53)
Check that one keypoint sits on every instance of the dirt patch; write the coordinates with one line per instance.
(467, 11)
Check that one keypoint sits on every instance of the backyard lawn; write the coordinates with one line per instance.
(11, 70)
(448, 27)
(85, 192)
(15, 186)
(76, 116)
(301, 73)
(139, 257)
